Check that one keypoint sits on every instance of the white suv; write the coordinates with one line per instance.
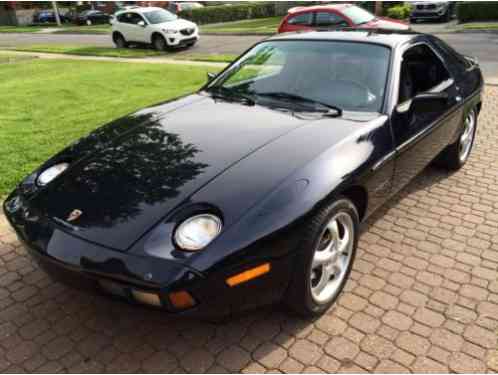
(152, 25)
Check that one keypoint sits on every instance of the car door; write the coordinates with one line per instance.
(423, 128)
(132, 30)
(329, 20)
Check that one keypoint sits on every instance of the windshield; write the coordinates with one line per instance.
(159, 16)
(351, 76)
(358, 15)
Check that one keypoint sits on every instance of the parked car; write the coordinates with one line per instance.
(432, 10)
(152, 25)
(252, 190)
(92, 17)
(48, 16)
(176, 7)
(335, 16)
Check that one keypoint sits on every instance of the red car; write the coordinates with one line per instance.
(336, 16)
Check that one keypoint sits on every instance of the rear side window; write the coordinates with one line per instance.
(132, 18)
(301, 19)
(329, 19)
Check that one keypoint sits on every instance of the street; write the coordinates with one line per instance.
(480, 45)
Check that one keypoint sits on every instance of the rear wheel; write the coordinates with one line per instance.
(457, 154)
(159, 43)
(325, 259)
(119, 41)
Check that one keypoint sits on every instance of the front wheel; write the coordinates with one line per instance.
(159, 43)
(325, 259)
(120, 41)
(457, 154)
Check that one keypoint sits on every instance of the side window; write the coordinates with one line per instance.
(136, 18)
(301, 19)
(421, 71)
(124, 18)
(132, 18)
(330, 19)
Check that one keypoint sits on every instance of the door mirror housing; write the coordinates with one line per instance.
(424, 102)
(141, 23)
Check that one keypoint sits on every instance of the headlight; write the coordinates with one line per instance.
(51, 173)
(170, 31)
(197, 232)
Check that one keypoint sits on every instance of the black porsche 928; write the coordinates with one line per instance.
(252, 190)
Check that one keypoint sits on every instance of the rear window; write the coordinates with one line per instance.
(358, 15)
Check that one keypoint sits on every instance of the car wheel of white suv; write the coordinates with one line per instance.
(119, 40)
(159, 43)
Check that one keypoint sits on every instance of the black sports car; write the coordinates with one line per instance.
(252, 190)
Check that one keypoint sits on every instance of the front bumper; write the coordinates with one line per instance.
(180, 40)
(89, 266)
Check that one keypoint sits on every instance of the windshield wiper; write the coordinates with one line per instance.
(332, 111)
(227, 94)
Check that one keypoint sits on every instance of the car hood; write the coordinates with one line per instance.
(128, 175)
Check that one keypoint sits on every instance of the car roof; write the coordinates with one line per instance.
(319, 7)
(139, 10)
(390, 38)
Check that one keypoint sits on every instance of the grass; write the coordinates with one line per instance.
(205, 57)
(47, 104)
(480, 26)
(255, 26)
(89, 50)
(20, 29)
(123, 52)
(6, 58)
(94, 29)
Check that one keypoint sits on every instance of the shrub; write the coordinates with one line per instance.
(399, 12)
(477, 11)
(227, 13)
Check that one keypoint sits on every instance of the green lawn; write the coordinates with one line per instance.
(90, 50)
(47, 104)
(480, 26)
(20, 29)
(205, 57)
(256, 26)
(94, 29)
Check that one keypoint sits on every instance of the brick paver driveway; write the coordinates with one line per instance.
(423, 297)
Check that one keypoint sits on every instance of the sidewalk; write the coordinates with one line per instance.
(147, 60)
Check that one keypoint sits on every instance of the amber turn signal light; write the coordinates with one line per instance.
(181, 300)
(248, 275)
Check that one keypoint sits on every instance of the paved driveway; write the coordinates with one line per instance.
(423, 296)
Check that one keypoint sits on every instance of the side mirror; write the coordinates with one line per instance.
(211, 76)
(141, 23)
(424, 102)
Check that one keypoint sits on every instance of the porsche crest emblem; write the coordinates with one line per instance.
(74, 215)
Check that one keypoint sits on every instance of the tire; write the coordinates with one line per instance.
(456, 155)
(119, 41)
(159, 43)
(307, 295)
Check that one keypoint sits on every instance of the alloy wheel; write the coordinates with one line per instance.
(467, 137)
(332, 258)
